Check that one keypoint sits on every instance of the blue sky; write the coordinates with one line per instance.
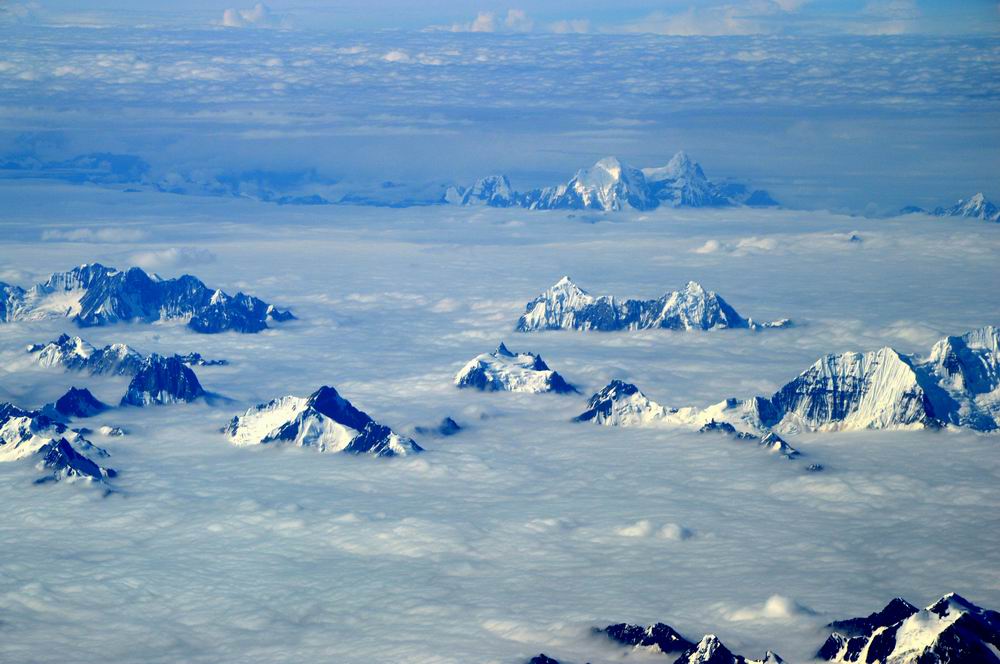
(676, 17)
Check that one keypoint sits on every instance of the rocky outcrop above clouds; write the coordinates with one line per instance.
(664, 639)
(506, 371)
(974, 207)
(958, 384)
(953, 630)
(324, 421)
(162, 380)
(94, 295)
(566, 306)
(76, 354)
(58, 452)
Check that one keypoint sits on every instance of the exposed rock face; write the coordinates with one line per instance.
(505, 371)
(959, 384)
(447, 427)
(93, 295)
(659, 637)
(162, 380)
(324, 421)
(662, 638)
(953, 630)
(75, 354)
(542, 658)
(710, 650)
(61, 454)
(566, 306)
(196, 360)
(79, 403)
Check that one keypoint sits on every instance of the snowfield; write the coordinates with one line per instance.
(524, 530)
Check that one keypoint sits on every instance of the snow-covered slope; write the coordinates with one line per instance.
(75, 354)
(162, 380)
(976, 207)
(682, 183)
(60, 453)
(610, 185)
(607, 185)
(493, 190)
(664, 639)
(506, 371)
(97, 295)
(324, 421)
(873, 390)
(958, 384)
(621, 404)
(953, 630)
(567, 306)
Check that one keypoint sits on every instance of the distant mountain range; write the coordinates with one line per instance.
(566, 306)
(952, 630)
(607, 185)
(95, 295)
(612, 185)
(958, 384)
(76, 354)
(975, 207)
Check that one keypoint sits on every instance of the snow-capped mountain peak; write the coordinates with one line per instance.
(506, 371)
(60, 453)
(950, 631)
(93, 295)
(567, 306)
(324, 421)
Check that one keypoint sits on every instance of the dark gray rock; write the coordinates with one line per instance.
(162, 380)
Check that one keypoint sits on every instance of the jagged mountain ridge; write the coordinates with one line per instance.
(324, 421)
(60, 453)
(611, 185)
(975, 207)
(958, 384)
(664, 639)
(953, 630)
(506, 371)
(162, 380)
(566, 306)
(76, 354)
(93, 295)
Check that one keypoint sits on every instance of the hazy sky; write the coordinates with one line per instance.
(675, 17)
(843, 106)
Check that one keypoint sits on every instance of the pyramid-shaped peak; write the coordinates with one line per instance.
(503, 350)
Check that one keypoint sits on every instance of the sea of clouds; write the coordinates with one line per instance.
(523, 531)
